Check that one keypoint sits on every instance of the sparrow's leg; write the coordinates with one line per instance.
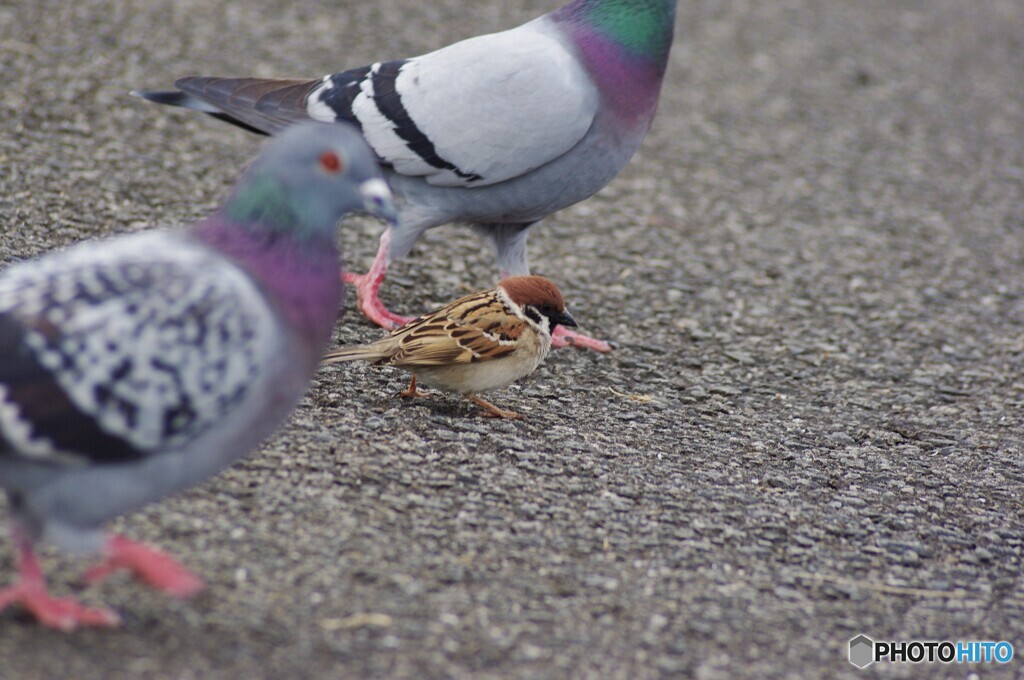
(62, 613)
(411, 391)
(149, 565)
(492, 411)
(563, 337)
(368, 284)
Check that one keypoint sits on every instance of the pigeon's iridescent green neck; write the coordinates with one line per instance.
(302, 274)
(641, 27)
(266, 203)
(624, 45)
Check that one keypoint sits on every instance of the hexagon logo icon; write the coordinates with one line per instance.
(862, 651)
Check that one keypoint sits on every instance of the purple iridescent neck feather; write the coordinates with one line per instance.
(300, 276)
(624, 45)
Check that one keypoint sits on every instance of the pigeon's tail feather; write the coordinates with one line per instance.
(174, 98)
(260, 105)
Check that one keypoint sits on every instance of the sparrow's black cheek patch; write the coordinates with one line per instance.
(534, 315)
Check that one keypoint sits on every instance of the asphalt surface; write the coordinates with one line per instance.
(812, 428)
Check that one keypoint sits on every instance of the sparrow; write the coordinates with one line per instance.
(476, 344)
(134, 367)
(497, 131)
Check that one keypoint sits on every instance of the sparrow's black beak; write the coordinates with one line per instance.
(563, 319)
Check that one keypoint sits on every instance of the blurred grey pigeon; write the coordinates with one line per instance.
(134, 367)
(497, 131)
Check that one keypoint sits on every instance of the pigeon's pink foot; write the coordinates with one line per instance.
(368, 284)
(369, 304)
(62, 613)
(563, 337)
(149, 565)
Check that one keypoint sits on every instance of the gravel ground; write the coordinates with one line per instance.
(812, 428)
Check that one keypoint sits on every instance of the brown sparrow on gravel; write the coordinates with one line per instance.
(478, 343)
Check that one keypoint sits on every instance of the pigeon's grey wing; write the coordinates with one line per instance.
(117, 350)
(479, 112)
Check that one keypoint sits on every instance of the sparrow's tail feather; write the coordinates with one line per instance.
(355, 353)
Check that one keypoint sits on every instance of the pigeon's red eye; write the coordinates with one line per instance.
(330, 162)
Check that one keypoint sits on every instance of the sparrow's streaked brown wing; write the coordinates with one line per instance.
(475, 328)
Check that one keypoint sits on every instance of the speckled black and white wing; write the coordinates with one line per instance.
(116, 350)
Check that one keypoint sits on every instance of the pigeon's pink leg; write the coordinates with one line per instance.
(62, 613)
(563, 337)
(149, 565)
(368, 284)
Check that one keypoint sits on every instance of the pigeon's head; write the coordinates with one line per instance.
(540, 300)
(309, 177)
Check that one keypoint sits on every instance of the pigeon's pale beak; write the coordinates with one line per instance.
(564, 319)
(378, 200)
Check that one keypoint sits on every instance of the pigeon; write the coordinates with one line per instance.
(478, 343)
(497, 131)
(137, 366)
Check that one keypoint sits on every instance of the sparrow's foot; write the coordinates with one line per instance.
(563, 337)
(492, 411)
(411, 392)
(62, 613)
(149, 565)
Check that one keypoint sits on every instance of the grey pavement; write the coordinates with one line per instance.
(812, 428)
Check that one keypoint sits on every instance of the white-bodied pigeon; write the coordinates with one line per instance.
(497, 131)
